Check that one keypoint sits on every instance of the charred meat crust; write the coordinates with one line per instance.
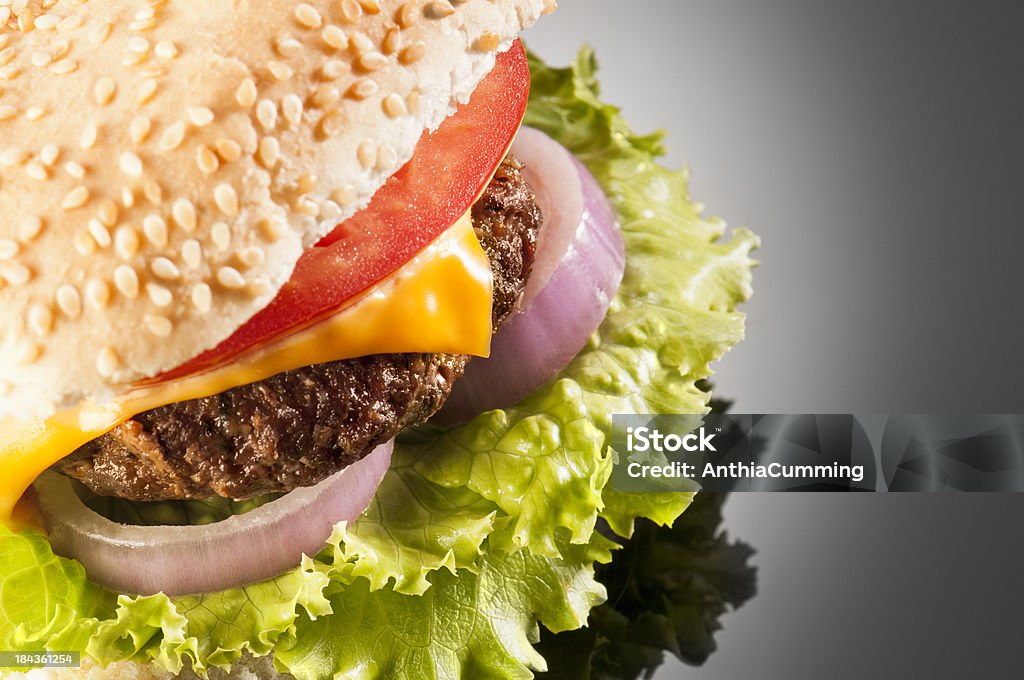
(299, 427)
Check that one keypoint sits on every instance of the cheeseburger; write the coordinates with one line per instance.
(248, 251)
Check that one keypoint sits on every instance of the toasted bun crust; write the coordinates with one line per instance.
(164, 162)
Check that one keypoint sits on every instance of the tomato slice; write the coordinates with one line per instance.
(447, 173)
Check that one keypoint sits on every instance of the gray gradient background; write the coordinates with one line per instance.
(878, 149)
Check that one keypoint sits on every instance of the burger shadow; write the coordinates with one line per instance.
(668, 589)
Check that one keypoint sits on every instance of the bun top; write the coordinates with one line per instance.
(163, 163)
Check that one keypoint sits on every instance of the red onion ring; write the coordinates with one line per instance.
(580, 261)
(187, 560)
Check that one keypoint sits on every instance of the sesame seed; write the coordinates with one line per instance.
(64, 67)
(325, 96)
(139, 128)
(393, 41)
(279, 70)
(288, 47)
(200, 116)
(30, 228)
(387, 157)
(202, 297)
(47, 22)
(146, 91)
(7, 112)
(307, 183)
(127, 197)
(69, 301)
(7, 55)
(184, 213)
(27, 353)
(126, 242)
(192, 253)
(49, 154)
(108, 212)
(439, 9)
(133, 58)
(363, 88)
(307, 15)
(344, 196)
(266, 114)
(245, 95)
(40, 319)
(160, 296)
(84, 243)
(99, 233)
(334, 37)
(367, 154)
(89, 135)
(370, 6)
(9, 72)
(165, 49)
(206, 160)
(159, 326)
(291, 105)
(152, 191)
(361, 43)
(131, 164)
(41, 59)
(127, 281)
(228, 149)
(334, 69)
(107, 362)
(220, 235)
(332, 123)
(252, 256)
(104, 90)
(226, 199)
(70, 23)
(351, 10)
(487, 42)
(394, 106)
(164, 269)
(59, 49)
(273, 229)
(100, 33)
(15, 273)
(138, 44)
(412, 53)
(37, 171)
(372, 61)
(269, 152)
(331, 210)
(75, 198)
(230, 278)
(75, 169)
(145, 14)
(172, 137)
(9, 248)
(155, 229)
(12, 157)
(97, 294)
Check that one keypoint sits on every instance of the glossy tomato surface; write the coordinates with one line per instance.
(448, 171)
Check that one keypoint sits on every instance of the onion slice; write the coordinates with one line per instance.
(577, 271)
(240, 550)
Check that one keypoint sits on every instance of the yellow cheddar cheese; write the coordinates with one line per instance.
(439, 302)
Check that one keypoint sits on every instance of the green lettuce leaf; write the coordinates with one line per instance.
(481, 624)
(479, 533)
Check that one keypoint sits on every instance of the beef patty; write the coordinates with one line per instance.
(299, 427)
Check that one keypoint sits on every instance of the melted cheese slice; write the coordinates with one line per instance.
(439, 302)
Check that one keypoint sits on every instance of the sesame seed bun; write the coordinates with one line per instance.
(164, 163)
